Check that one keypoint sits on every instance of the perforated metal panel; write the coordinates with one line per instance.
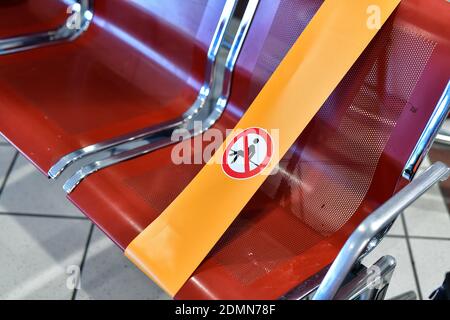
(326, 175)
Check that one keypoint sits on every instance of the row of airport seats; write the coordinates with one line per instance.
(141, 69)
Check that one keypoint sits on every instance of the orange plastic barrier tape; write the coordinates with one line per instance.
(172, 247)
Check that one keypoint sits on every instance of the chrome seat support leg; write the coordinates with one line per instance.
(207, 109)
(208, 88)
(369, 283)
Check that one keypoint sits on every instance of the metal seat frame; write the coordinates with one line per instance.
(202, 115)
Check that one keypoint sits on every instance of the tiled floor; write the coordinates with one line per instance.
(45, 243)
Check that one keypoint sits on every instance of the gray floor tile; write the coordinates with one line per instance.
(428, 216)
(36, 253)
(108, 274)
(403, 278)
(2, 140)
(6, 156)
(432, 259)
(29, 191)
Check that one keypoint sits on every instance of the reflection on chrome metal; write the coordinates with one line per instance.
(56, 170)
(426, 139)
(373, 225)
(208, 86)
(85, 10)
(207, 108)
(305, 290)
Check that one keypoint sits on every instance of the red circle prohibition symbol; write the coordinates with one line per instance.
(247, 154)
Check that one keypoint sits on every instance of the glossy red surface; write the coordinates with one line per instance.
(18, 17)
(128, 71)
(344, 165)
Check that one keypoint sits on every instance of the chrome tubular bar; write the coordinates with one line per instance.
(373, 225)
(306, 289)
(205, 91)
(206, 113)
(82, 14)
(428, 135)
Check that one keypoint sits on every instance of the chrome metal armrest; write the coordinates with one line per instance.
(373, 225)
(84, 9)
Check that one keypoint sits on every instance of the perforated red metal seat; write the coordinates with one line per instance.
(140, 63)
(349, 160)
